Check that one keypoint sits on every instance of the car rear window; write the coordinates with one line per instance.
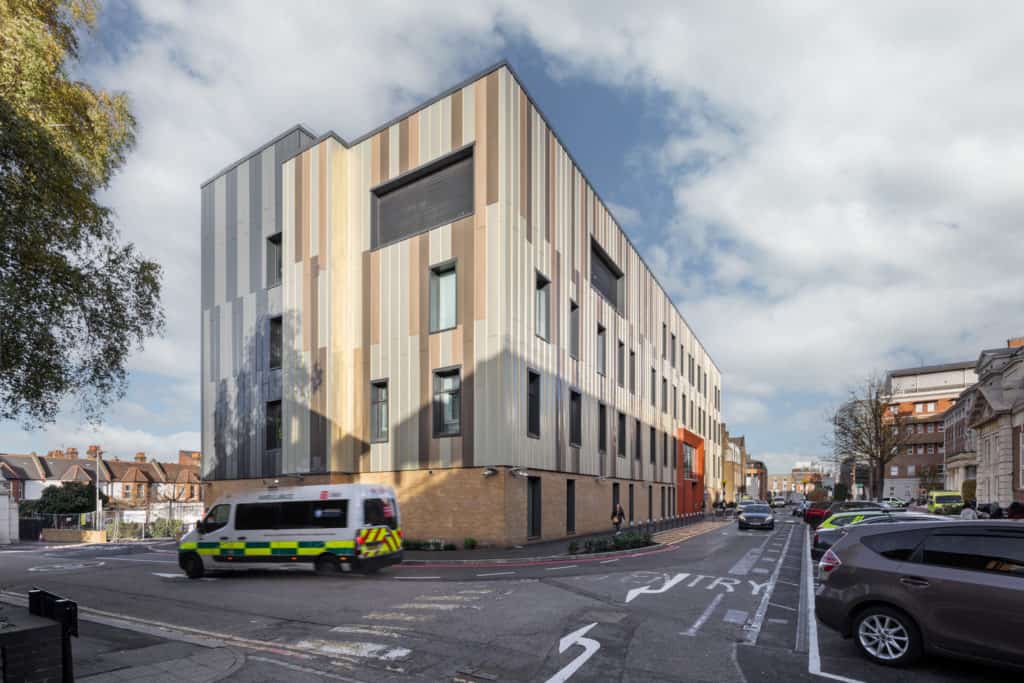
(897, 545)
(982, 552)
(763, 509)
(379, 512)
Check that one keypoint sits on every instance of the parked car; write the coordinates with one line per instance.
(850, 505)
(841, 519)
(894, 502)
(945, 502)
(778, 502)
(952, 588)
(825, 538)
(756, 517)
(816, 513)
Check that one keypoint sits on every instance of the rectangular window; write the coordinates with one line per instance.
(638, 442)
(632, 372)
(672, 457)
(691, 369)
(931, 428)
(920, 450)
(911, 470)
(941, 427)
(543, 299)
(894, 471)
(250, 516)
(574, 330)
(443, 293)
(673, 352)
(435, 194)
(602, 428)
(615, 496)
(664, 341)
(570, 506)
(605, 276)
(654, 446)
(379, 411)
(575, 418)
(602, 352)
(274, 260)
(931, 407)
(931, 449)
(1002, 555)
(533, 404)
(918, 407)
(664, 395)
(276, 339)
(654, 388)
(622, 435)
(675, 403)
(620, 362)
(630, 503)
(273, 426)
(447, 402)
(664, 449)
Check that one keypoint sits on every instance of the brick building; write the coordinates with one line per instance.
(445, 305)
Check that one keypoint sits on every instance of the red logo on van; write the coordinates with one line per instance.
(323, 495)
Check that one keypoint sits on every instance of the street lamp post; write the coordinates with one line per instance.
(96, 522)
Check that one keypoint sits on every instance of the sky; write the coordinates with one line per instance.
(826, 190)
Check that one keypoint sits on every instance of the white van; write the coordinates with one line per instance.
(332, 528)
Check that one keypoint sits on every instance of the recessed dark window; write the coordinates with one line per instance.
(632, 372)
(533, 403)
(602, 428)
(275, 334)
(654, 446)
(543, 307)
(274, 260)
(379, 410)
(602, 352)
(622, 435)
(620, 365)
(574, 330)
(447, 402)
(435, 194)
(639, 441)
(575, 418)
(273, 425)
(443, 297)
(605, 276)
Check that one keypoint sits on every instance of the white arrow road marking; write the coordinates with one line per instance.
(654, 591)
(589, 645)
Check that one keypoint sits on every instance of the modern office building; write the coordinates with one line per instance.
(921, 396)
(445, 305)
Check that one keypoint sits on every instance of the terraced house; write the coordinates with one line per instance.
(445, 305)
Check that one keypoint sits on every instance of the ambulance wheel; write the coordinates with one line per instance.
(192, 565)
(327, 565)
(370, 570)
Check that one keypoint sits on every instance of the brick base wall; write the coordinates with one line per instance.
(74, 536)
(454, 504)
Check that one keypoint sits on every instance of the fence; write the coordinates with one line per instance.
(653, 526)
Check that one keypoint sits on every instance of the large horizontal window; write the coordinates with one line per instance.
(331, 514)
(605, 276)
(438, 193)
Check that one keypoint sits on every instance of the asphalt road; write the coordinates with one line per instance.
(723, 606)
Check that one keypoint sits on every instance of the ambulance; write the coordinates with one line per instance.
(329, 529)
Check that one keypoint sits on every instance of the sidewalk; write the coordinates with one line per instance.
(543, 549)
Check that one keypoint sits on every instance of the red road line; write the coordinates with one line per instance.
(536, 563)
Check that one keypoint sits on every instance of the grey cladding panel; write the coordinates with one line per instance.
(438, 193)
(255, 225)
(206, 246)
(230, 264)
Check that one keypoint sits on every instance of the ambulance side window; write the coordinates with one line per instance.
(217, 518)
(377, 512)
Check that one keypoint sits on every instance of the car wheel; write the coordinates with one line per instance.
(887, 636)
(771, 527)
(327, 565)
(192, 565)
(741, 527)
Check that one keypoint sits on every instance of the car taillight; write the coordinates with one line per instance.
(829, 562)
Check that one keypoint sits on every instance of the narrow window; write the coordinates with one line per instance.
(620, 365)
(447, 402)
(543, 298)
(615, 496)
(622, 435)
(379, 411)
(602, 428)
(601, 352)
(442, 297)
(533, 403)
(574, 330)
(570, 506)
(664, 341)
(675, 403)
(675, 446)
(273, 426)
(275, 342)
(639, 442)
(575, 418)
(274, 260)
(654, 388)
(632, 372)
(673, 351)
(605, 276)
(654, 446)
(664, 395)
(664, 449)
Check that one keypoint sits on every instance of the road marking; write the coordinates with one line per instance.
(654, 591)
(692, 631)
(496, 574)
(132, 559)
(609, 561)
(745, 563)
(396, 616)
(66, 567)
(778, 621)
(813, 656)
(730, 584)
(567, 566)
(755, 587)
(355, 649)
(761, 570)
(389, 631)
(430, 605)
(302, 669)
(762, 609)
(440, 598)
(475, 592)
(775, 604)
(589, 645)
(735, 616)
(416, 578)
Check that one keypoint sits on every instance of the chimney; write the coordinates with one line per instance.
(187, 458)
(71, 453)
(1015, 342)
(140, 457)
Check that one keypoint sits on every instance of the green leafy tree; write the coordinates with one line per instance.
(71, 498)
(74, 299)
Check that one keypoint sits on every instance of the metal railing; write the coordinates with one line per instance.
(653, 526)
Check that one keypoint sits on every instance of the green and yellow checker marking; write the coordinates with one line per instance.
(268, 548)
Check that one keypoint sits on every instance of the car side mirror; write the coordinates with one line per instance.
(200, 527)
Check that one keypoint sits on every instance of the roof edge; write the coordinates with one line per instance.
(297, 127)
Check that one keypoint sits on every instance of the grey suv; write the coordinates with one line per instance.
(952, 588)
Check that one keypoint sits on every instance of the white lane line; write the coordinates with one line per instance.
(775, 604)
(554, 569)
(609, 561)
(496, 574)
(813, 655)
(416, 578)
(762, 609)
(745, 563)
(133, 559)
(761, 570)
(301, 669)
(692, 631)
(735, 616)
(354, 649)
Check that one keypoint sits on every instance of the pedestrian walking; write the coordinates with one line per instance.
(969, 512)
(618, 516)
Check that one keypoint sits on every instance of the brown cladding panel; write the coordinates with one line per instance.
(403, 146)
(457, 119)
(422, 246)
(492, 137)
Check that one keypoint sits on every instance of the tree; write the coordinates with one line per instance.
(867, 431)
(930, 478)
(74, 299)
(71, 498)
(841, 492)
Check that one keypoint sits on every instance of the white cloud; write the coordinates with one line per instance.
(845, 176)
(627, 216)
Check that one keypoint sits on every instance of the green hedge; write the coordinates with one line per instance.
(603, 544)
